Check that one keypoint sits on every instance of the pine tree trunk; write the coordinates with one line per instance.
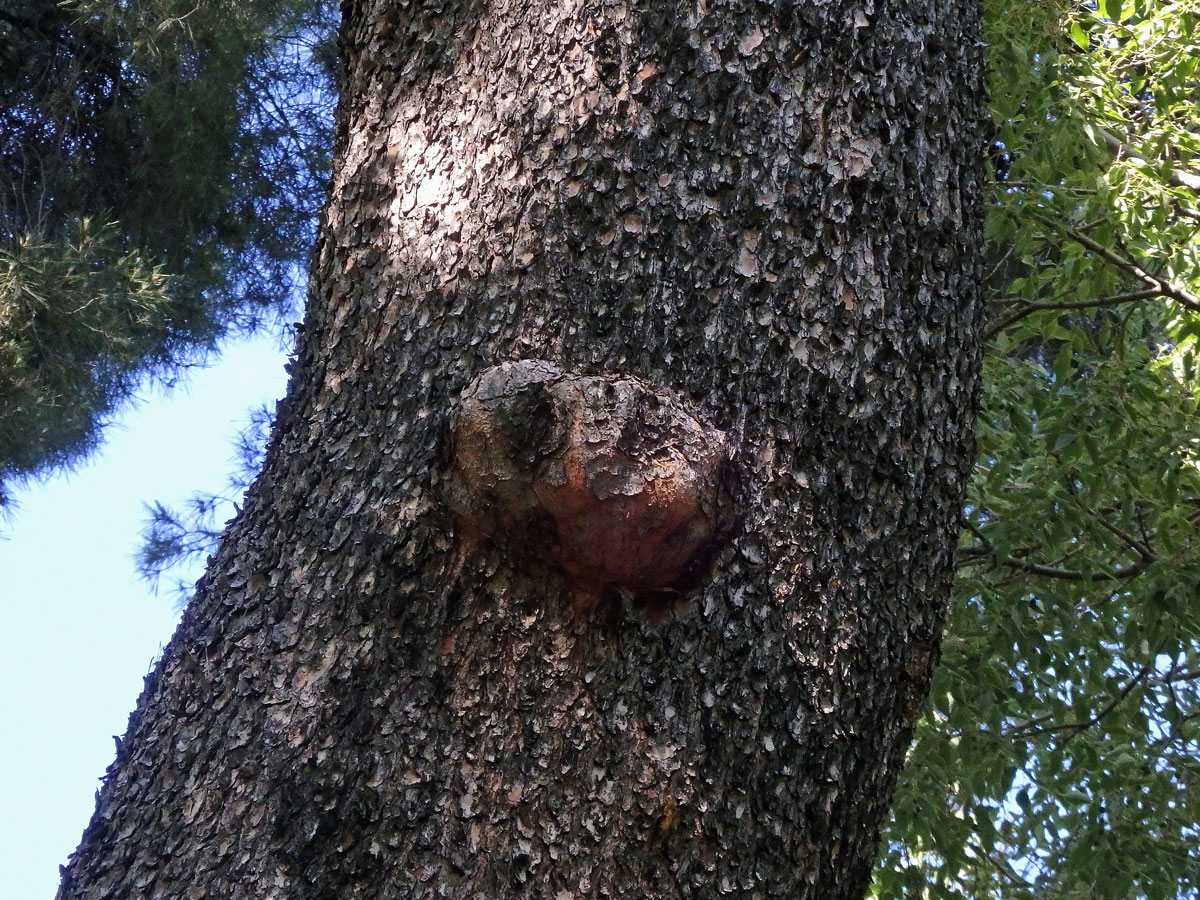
(743, 238)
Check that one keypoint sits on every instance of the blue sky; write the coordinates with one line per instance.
(81, 629)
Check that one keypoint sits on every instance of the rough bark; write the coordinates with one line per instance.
(766, 213)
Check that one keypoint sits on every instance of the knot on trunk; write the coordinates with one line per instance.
(615, 482)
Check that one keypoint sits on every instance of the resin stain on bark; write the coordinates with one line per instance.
(615, 482)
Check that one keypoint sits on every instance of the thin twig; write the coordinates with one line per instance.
(1161, 285)
(1178, 177)
(1033, 727)
(1062, 574)
(1182, 676)
(1116, 701)
(1029, 308)
(1143, 549)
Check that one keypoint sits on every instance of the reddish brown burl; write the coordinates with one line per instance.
(615, 482)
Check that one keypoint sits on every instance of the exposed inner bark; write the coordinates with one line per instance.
(630, 487)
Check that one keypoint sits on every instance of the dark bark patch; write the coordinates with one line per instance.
(615, 482)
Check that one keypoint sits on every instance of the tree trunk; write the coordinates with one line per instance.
(743, 239)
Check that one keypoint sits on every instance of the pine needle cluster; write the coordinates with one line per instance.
(161, 165)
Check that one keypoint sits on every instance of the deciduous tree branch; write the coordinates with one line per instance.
(1178, 177)
(1026, 309)
(1033, 727)
(986, 549)
(1163, 286)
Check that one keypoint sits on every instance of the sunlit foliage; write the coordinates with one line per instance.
(1060, 756)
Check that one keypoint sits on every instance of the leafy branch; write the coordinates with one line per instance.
(1178, 177)
(1033, 727)
(1163, 286)
(1029, 308)
(985, 550)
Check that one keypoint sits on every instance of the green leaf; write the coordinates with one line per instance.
(1079, 36)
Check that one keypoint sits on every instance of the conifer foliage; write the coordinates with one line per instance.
(162, 163)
